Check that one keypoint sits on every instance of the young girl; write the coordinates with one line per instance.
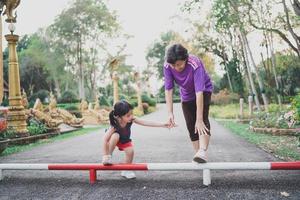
(121, 119)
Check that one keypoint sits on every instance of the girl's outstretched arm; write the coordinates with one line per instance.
(151, 124)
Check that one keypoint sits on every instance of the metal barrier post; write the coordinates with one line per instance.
(206, 177)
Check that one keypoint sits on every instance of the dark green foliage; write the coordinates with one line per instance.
(289, 74)
(123, 97)
(8, 133)
(146, 108)
(103, 101)
(68, 97)
(71, 107)
(232, 67)
(176, 95)
(146, 99)
(296, 107)
(35, 127)
(76, 113)
(41, 94)
(5, 102)
(133, 101)
(156, 52)
(110, 100)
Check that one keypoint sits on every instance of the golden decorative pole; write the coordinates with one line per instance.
(115, 79)
(16, 114)
(114, 64)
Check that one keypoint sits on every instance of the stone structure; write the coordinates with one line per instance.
(37, 112)
(64, 115)
(93, 116)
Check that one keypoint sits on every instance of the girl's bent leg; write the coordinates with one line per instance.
(114, 139)
(129, 153)
(105, 144)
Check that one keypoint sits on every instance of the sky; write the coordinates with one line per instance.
(144, 19)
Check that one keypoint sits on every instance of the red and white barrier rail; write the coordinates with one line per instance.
(93, 168)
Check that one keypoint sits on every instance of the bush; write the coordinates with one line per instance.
(273, 120)
(145, 107)
(3, 124)
(110, 100)
(71, 107)
(68, 97)
(68, 106)
(8, 133)
(123, 97)
(35, 127)
(151, 109)
(41, 94)
(273, 108)
(76, 113)
(137, 112)
(133, 101)
(103, 101)
(224, 97)
(149, 100)
(296, 107)
(5, 102)
(3, 120)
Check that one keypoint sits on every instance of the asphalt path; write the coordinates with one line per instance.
(152, 145)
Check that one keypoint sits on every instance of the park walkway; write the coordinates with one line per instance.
(151, 145)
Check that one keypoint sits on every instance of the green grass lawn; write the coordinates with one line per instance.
(18, 148)
(229, 111)
(284, 147)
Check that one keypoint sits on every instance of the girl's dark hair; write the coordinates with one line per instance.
(121, 108)
(176, 52)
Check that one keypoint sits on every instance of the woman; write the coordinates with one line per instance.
(195, 90)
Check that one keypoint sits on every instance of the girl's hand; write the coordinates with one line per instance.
(200, 128)
(167, 125)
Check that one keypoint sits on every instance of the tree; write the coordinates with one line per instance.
(77, 29)
(34, 75)
(284, 24)
(156, 52)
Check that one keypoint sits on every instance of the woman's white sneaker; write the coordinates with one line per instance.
(128, 174)
(200, 156)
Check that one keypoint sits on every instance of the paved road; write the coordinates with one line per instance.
(151, 145)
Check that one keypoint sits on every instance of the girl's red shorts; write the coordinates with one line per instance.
(124, 146)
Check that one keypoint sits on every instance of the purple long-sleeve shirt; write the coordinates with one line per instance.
(191, 80)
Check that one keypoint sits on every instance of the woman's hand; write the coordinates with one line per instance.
(171, 122)
(200, 128)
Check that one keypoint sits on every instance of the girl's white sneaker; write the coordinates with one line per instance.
(107, 160)
(128, 174)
